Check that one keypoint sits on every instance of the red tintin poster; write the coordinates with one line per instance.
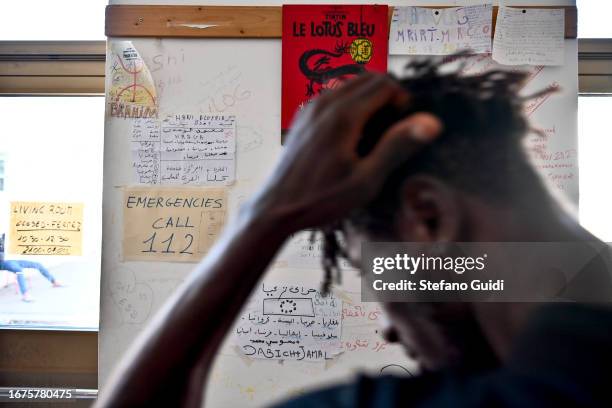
(326, 44)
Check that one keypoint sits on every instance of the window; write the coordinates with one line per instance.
(51, 149)
(51, 136)
(594, 109)
(593, 18)
(595, 144)
(57, 20)
(55, 145)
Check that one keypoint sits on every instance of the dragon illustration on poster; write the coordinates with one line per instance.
(324, 70)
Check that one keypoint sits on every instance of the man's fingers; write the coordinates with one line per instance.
(354, 103)
(354, 83)
(368, 98)
(401, 142)
(346, 87)
(374, 94)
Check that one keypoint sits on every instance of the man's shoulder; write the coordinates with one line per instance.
(560, 360)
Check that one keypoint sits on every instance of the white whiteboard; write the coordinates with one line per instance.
(193, 75)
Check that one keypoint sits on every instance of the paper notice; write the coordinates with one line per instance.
(184, 149)
(304, 252)
(39, 228)
(290, 322)
(131, 91)
(529, 36)
(172, 225)
(425, 31)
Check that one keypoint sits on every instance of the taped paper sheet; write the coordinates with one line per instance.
(131, 92)
(290, 322)
(171, 225)
(40, 228)
(529, 36)
(184, 149)
(555, 155)
(425, 31)
(304, 252)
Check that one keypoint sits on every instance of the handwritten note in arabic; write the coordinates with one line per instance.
(172, 225)
(529, 36)
(40, 228)
(184, 149)
(290, 322)
(424, 31)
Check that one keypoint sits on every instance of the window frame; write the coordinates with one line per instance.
(3, 159)
(52, 68)
(595, 66)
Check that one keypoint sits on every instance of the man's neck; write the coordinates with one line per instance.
(502, 322)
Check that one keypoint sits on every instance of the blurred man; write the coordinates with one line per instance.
(445, 165)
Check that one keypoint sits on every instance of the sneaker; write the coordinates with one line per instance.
(27, 298)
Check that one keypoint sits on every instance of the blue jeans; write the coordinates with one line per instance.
(17, 267)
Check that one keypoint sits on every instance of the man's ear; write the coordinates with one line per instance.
(429, 211)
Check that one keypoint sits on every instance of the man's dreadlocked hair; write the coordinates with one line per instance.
(480, 150)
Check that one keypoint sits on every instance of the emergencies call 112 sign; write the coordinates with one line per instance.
(324, 45)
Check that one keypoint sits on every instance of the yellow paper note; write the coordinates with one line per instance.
(172, 225)
(40, 228)
(131, 92)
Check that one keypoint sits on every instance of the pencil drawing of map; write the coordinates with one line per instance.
(131, 92)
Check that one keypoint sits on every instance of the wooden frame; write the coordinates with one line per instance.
(228, 21)
(595, 66)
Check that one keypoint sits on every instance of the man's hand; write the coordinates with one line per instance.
(320, 177)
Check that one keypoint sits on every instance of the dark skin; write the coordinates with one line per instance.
(170, 361)
(434, 211)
